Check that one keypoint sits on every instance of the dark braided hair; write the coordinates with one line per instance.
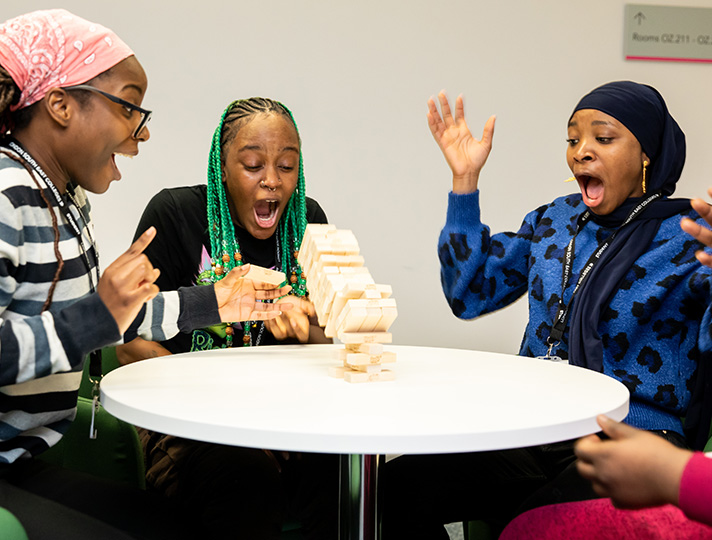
(9, 95)
(224, 249)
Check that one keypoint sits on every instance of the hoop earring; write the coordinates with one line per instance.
(645, 165)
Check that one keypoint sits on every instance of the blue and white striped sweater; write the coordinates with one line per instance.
(41, 354)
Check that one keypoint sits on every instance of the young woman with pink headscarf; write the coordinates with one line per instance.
(70, 101)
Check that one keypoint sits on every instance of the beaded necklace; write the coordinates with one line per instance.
(224, 246)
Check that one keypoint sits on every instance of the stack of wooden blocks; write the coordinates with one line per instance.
(349, 304)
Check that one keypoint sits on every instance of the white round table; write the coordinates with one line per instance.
(442, 401)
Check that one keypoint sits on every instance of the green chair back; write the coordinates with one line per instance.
(115, 454)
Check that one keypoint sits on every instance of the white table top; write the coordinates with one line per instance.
(442, 401)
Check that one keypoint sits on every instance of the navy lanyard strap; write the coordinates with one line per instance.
(562, 316)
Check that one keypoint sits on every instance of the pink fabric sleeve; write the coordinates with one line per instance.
(696, 488)
(597, 519)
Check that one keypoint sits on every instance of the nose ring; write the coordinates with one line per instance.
(262, 184)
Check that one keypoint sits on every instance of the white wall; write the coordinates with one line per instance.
(357, 76)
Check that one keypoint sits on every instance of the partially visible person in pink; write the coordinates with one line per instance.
(598, 519)
(638, 470)
(654, 489)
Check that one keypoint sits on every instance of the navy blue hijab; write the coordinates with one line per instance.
(642, 110)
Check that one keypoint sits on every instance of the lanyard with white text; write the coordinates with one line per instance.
(562, 316)
(95, 364)
(63, 206)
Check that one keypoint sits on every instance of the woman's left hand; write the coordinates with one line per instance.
(294, 323)
(702, 234)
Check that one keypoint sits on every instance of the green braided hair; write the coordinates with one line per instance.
(224, 248)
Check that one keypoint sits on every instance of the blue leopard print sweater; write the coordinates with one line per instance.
(654, 328)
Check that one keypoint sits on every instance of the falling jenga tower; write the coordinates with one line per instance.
(349, 305)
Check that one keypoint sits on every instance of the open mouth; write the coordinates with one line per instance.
(117, 172)
(266, 213)
(591, 189)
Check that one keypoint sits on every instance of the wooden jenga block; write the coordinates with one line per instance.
(373, 317)
(329, 259)
(258, 274)
(365, 348)
(312, 231)
(367, 312)
(367, 368)
(358, 377)
(351, 318)
(338, 371)
(351, 290)
(362, 359)
(332, 244)
(365, 337)
(388, 317)
(355, 282)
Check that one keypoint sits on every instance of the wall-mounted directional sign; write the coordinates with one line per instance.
(668, 33)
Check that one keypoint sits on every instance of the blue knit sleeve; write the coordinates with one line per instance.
(481, 273)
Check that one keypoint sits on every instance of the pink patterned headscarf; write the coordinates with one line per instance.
(46, 49)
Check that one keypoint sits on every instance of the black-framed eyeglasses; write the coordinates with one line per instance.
(145, 113)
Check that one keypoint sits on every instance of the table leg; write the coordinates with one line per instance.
(358, 486)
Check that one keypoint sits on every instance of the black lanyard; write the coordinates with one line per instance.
(95, 364)
(562, 316)
(63, 207)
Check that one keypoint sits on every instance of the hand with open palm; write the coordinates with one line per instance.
(464, 154)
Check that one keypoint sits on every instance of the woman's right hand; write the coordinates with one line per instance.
(464, 154)
(635, 468)
(128, 283)
(702, 234)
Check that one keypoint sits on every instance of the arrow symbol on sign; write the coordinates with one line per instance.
(640, 17)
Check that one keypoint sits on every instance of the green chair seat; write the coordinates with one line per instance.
(10, 527)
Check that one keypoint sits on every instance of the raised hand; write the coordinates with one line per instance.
(128, 283)
(702, 234)
(634, 468)
(239, 299)
(464, 154)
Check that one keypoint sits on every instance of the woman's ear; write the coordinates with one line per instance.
(646, 158)
(59, 106)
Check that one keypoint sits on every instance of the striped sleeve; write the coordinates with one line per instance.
(170, 312)
(35, 344)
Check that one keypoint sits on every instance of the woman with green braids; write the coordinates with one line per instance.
(252, 210)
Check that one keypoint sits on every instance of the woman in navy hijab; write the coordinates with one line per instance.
(612, 284)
